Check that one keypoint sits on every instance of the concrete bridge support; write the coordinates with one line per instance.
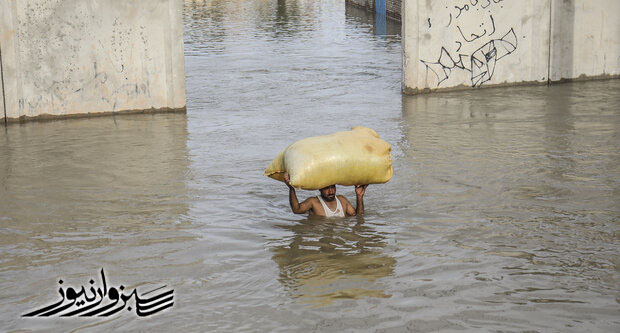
(451, 45)
(64, 58)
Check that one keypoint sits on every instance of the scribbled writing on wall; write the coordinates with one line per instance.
(476, 48)
(481, 64)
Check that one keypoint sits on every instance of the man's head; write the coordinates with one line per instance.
(328, 193)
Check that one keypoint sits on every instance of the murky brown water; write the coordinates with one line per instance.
(503, 213)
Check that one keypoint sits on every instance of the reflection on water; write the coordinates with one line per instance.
(379, 25)
(280, 19)
(204, 25)
(327, 260)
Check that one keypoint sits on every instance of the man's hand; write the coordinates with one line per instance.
(360, 190)
(359, 193)
(287, 180)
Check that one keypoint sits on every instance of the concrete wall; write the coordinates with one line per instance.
(470, 43)
(585, 38)
(74, 57)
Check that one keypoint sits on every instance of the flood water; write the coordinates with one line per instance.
(502, 215)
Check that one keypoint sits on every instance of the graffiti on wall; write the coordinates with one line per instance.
(476, 49)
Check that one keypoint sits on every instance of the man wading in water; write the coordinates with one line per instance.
(327, 204)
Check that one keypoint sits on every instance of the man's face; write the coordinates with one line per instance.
(328, 193)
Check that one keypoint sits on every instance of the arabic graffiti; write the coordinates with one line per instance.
(483, 60)
(476, 36)
(466, 7)
(480, 60)
(97, 304)
(481, 63)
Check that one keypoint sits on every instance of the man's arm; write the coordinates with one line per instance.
(359, 195)
(298, 208)
(360, 190)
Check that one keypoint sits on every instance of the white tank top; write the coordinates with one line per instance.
(339, 212)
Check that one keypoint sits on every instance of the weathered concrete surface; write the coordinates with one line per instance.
(2, 103)
(457, 45)
(80, 57)
(585, 39)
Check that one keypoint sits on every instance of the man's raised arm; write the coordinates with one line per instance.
(297, 208)
(359, 196)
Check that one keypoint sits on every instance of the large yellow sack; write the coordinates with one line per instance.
(354, 157)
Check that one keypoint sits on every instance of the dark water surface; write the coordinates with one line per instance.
(502, 215)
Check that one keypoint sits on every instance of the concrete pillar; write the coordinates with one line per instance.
(79, 57)
(472, 43)
(2, 102)
(585, 39)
